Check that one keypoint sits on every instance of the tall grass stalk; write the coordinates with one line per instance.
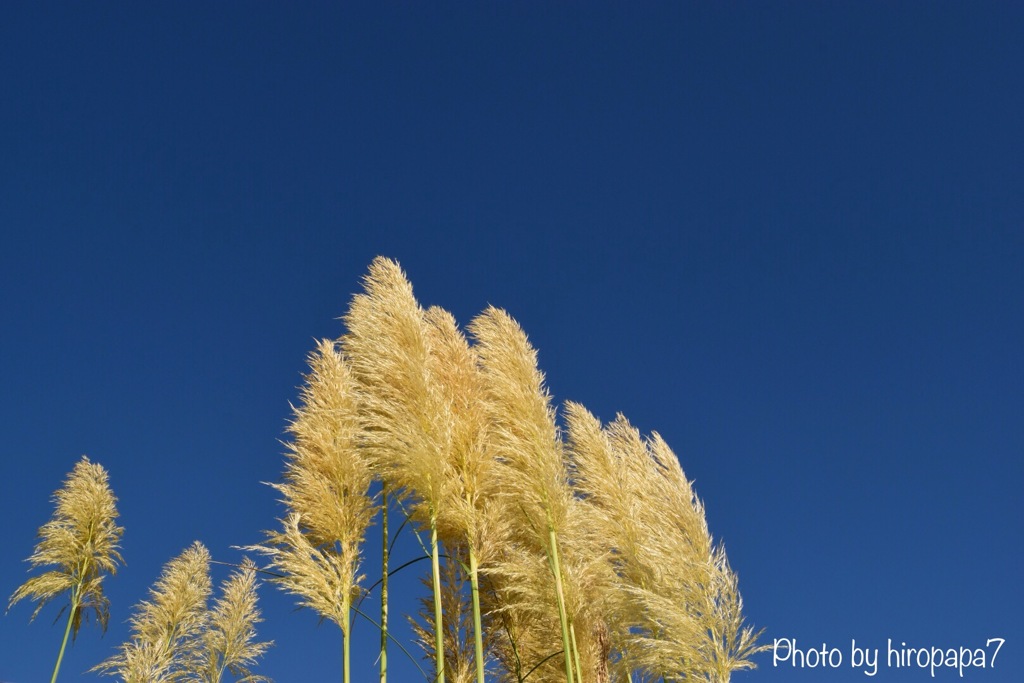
(563, 618)
(81, 540)
(526, 442)
(478, 630)
(67, 631)
(435, 566)
(384, 570)
(400, 407)
(326, 490)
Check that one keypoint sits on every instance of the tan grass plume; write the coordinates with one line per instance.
(167, 630)
(326, 490)
(229, 643)
(412, 369)
(400, 403)
(542, 582)
(82, 541)
(671, 595)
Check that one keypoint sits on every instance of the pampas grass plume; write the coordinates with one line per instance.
(81, 540)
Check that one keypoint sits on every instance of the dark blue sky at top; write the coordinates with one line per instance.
(787, 236)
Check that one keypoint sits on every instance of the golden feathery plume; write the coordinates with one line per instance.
(523, 433)
(548, 563)
(405, 430)
(731, 644)
(670, 594)
(81, 540)
(230, 639)
(168, 629)
(469, 522)
(401, 407)
(471, 481)
(325, 489)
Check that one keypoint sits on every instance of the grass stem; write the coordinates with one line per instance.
(438, 623)
(67, 632)
(560, 594)
(478, 632)
(385, 547)
(346, 631)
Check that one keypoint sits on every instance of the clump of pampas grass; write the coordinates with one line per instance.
(81, 540)
(582, 557)
(420, 395)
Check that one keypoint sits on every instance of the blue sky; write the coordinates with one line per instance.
(787, 236)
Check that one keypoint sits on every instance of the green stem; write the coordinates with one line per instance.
(438, 624)
(394, 641)
(575, 650)
(346, 630)
(478, 638)
(556, 569)
(67, 632)
(384, 588)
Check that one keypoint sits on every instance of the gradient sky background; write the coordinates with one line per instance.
(787, 236)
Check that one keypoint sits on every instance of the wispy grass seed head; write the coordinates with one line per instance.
(82, 541)
(167, 629)
(552, 541)
(326, 490)
(401, 406)
(523, 432)
(230, 638)
(671, 595)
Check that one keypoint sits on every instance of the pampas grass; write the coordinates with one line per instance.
(472, 525)
(581, 556)
(399, 405)
(592, 551)
(167, 629)
(230, 644)
(81, 540)
(534, 484)
(676, 608)
(421, 395)
(576, 557)
(325, 489)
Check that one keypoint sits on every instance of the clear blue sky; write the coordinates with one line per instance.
(788, 236)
